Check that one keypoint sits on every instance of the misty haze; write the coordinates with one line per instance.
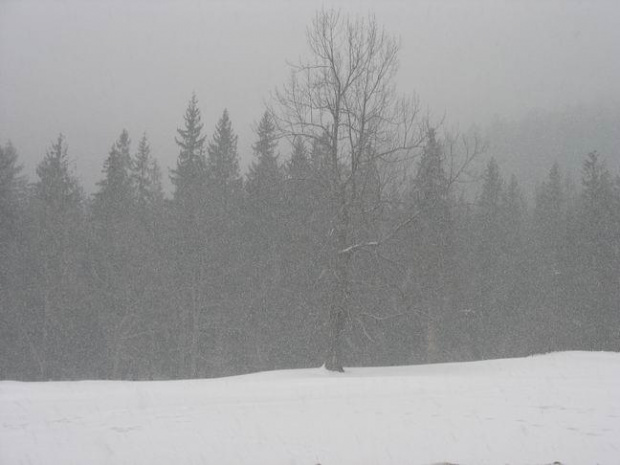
(278, 232)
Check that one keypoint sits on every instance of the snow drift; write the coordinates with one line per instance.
(560, 407)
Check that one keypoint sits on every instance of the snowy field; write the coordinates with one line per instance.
(561, 407)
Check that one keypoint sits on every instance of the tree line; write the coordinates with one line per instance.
(349, 241)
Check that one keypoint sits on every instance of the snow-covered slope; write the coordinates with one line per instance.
(559, 407)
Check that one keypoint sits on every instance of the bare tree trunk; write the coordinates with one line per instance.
(433, 354)
(116, 358)
(431, 337)
(337, 315)
(193, 362)
(183, 336)
(339, 298)
(45, 336)
(336, 323)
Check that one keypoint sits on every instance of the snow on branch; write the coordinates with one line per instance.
(356, 247)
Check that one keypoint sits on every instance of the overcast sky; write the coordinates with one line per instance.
(90, 68)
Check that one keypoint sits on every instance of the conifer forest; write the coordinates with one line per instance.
(363, 232)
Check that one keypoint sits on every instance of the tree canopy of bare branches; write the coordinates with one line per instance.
(343, 98)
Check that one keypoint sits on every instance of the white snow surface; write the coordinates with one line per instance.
(561, 407)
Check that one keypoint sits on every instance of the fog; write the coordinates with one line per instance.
(89, 69)
(206, 189)
(231, 187)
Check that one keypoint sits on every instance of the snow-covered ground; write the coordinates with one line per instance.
(560, 407)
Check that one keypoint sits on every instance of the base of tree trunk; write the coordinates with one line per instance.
(332, 364)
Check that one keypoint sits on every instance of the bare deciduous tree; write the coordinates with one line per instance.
(344, 98)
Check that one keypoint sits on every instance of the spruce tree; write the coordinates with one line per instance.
(265, 178)
(226, 246)
(60, 251)
(16, 283)
(189, 176)
(152, 273)
(115, 257)
(299, 167)
(553, 274)
(191, 238)
(514, 296)
(266, 233)
(432, 243)
(57, 188)
(146, 177)
(489, 248)
(115, 198)
(11, 183)
(265, 189)
(549, 214)
(599, 244)
(224, 178)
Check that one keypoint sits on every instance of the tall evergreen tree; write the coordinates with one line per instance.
(265, 188)
(189, 176)
(266, 233)
(599, 232)
(57, 188)
(549, 214)
(432, 243)
(16, 283)
(11, 188)
(223, 163)
(225, 250)
(554, 273)
(115, 255)
(59, 246)
(299, 167)
(303, 257)
(146, 176)
(265, 178)
(189, 211)
(152, 273)
(489, 232)
(513, 296)
(115, 197)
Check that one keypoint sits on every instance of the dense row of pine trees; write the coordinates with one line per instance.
(228, 275)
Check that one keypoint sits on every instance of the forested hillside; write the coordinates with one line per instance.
(351, 240)
(527, 146)
(228, 275)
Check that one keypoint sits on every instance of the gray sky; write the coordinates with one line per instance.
(90, 68)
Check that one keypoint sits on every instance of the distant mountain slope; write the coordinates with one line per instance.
(560, 407)
(529, 147)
